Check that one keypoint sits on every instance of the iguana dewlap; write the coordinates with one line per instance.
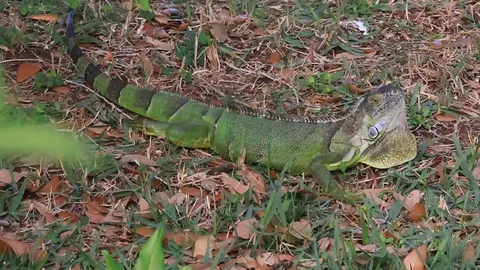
(374, 131)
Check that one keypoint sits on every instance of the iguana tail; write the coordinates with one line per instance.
(156, 105)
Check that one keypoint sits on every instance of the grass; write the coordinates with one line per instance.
(136, 184)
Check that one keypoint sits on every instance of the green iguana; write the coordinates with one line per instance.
(374, 131)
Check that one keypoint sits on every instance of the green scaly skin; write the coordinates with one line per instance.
(315, 145)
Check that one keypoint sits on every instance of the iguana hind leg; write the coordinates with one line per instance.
(326, 180)
(185, 134)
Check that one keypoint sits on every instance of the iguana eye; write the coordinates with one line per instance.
(375, 100)
(373, 132)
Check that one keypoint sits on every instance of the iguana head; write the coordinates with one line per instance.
(377, 132)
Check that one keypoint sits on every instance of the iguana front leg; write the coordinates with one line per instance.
(321, 174)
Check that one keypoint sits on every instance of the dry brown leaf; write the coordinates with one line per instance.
(388, 234)
(5, 248)
(7, 179)
(247, 261)
(301, 230)
(267, 259)
(476, 173)
(156, 32)
(96, 207)
(107, 58)
(246, 228)
(192, 191)
(178, 198)
(413, 261)
(143, 45)
(373, 194)
(165, 46)
(218, 31)
(255, 179)
(44, 17)
(355, 90)
(44, 211)
(233, 185)
(445, 117)
(27, 70)
(20, 248)
(162, 19)
(366, 248)
(418, 212)
(138, 159)
(68, 217)
(324, 244)
(94, 217)
(183, 26)
(204, 245)
(413, 198)
(53, 186)
(259, 32)
(60, 200)
(61, 89)
(469, 255)
(275, 57)
(181, 238)
(145, 231)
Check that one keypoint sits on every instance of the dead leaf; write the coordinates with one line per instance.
(20, 248)
(44, 211)
(5, 248)
(418, 212)
(68, 217)
(44, 17)
(413, 261)
(388, 234)
(61, 89)
(94, 217)
(301, 230)
(192, 191)
(275, 57)
(469, 255)
(203, 245)
(476, 173)
(96, 207)
(373, 194)
(181, 238)
(355, 90)
(445, 117)
(259, 32)
(138, 159)
(53, 186)
(267, 259)
(324, 244)
(107, 58)
(246, 228)
(145, 231)
(27, 70)
(7, 179)
(162, 19)
(413, 198)
(178, 198)
(366, 248)
(165, 46)
(143, 45)
(218, 31)
(233, 185)
(254, 178)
